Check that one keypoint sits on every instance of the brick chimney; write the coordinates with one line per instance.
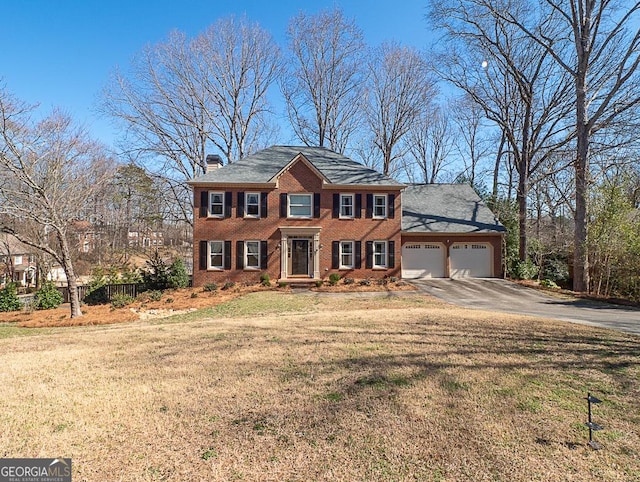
(214, 161)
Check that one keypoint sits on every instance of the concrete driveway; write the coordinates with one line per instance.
(508, 297)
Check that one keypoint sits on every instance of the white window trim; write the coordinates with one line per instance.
(222, 196)
(310, 196)
(246, 255)
(209, 265)
(353, 206)
(386, 206)
(386, 255)
(353, 255)
(246, 205)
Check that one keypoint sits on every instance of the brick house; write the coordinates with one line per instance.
(301, 213)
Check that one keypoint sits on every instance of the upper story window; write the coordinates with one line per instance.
(17, 260)
(216, 204)
(216, 254)
(346, 206)
(379, 205)
(300, 206)
(252, 205)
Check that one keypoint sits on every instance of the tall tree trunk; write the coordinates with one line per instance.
(72, 285)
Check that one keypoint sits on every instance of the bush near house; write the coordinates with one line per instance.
(9, 300)
(48, 297)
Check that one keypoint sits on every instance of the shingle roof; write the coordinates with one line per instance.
(264, 165)
(446, 208)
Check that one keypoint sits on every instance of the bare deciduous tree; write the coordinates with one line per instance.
(185, 96)
(514, 81)
(430, 142)
(400, 89)
(597, 43)
(323, 86)
(49, 173)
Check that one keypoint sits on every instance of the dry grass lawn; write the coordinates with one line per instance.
(275, 386)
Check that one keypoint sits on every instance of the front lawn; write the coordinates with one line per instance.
(280, 386)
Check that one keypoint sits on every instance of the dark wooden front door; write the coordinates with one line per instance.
(300, 257)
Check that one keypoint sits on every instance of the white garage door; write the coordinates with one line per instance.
(471, 260)
(423, 260)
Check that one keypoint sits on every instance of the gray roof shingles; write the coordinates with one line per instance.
(446, 208)
(261, 167)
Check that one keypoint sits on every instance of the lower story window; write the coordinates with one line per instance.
(216, 254)
(379, 254)
(252, 255)
(346, 254)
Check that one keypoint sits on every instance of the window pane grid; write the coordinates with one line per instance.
(253, 254)
(346, 206)
(380, 254)
(216, 254)
(217, 204)
(300, 205)
(346, 254)
(253, 205)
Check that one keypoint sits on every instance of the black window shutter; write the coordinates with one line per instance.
(392, 205)
(263, 204)
(283, 205)
(358, 254)
(369, 213)
(392, 254)
(204, 203)
(335, 254)
(228, 199)
(358, 208)
(203, 255)
(336, 206)
(240, 208)
(239, 254)
(369, 255)
(264, 255)
(227, 255)
(316, 204)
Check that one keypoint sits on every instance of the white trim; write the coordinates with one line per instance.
(209, 254)
(352, 205)
(246, 205)
(386, 206)
(245, 263)
(384, 243)
(341, 265)
(210, 206)
(305, 194)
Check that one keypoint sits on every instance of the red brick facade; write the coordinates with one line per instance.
(273, 229)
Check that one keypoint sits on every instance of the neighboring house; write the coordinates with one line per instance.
(17, 263)
(301, 213)
(145, 239)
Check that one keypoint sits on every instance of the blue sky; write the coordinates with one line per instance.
(59, 53)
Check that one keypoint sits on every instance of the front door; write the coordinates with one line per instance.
(300, 257)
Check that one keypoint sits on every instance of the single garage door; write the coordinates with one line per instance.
(471, 260)
(423, 260)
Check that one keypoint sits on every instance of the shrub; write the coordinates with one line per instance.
(394, 279)
(283, 284)
(334, 278)
(319, 283)
(194, 295)
(120, 300)
(178, 276)
(348, 281)
(154, 295)
(47, 298)
(156, 276)
(9, 300)
(547, 283)
(210, 287)
(365, 282)
(525, 270)
(228, 285)
(265, 280)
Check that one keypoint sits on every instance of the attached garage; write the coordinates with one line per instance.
(471, 260)
(423, 260)
(447, 231)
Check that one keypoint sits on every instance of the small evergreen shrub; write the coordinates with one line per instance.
(156, 275)
(547, 283)
(121, 300)
(47, 298)
(334, 278)
(394, 279)
(319, 283)
(265, 280)
(210, 287)
(525, 270)
(365, 282)
(228, 285)
(178, 276)
(9, 300)
(283, 284)
(194, 295)
(154, 295)
(348, 281)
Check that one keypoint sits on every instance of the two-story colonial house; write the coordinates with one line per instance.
(301, 213)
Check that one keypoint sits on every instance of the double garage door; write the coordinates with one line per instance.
(428, 260)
